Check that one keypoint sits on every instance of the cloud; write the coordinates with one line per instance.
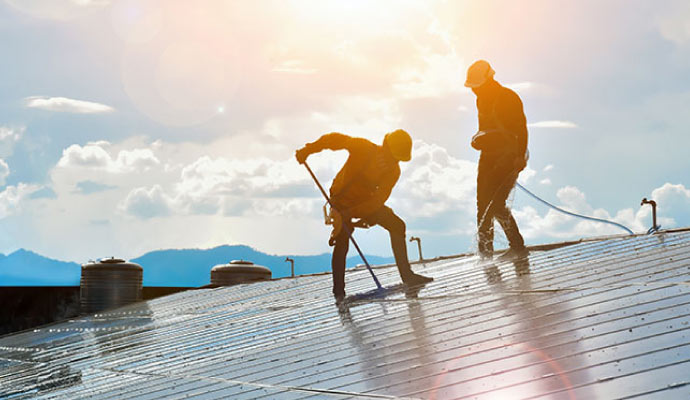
(63, 104)
(545, 181)
(520, 86)
(436, 77)
(526, 174)
(210, 186)
(294, 67)
(433, 184)
(9, 136)
(673, 204)
(57, 10)
(43, 193)
(553, 124)
(673, 26)
(147, 203)
(673, 211)
(135, 160)
(4, 172)
(554, 224)
(88, 187)
(11, 198)
(95, 156)
(548, 168)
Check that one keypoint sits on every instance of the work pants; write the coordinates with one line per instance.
(496, 178)
(386, 218)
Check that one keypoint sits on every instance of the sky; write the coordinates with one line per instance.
(130, 126)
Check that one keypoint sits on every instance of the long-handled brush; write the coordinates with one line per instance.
(380, 290)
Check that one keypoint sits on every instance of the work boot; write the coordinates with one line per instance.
(514, 254)
(485, 256)
(412, 279)
(339, 298)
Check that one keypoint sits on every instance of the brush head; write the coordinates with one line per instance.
(377, 293)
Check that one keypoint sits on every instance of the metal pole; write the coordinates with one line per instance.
(419, 246)
(292, 265)
(654, 227)
(346, 226)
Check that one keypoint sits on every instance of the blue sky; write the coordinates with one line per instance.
(130, 126)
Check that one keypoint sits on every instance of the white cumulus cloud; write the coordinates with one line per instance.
(210, 186)
(4, 172)
(147, 203)
(553, 124)
(11, 198)
(673, 204)
(673, 23)
(64, 104)
(520, 86)
(9, 136)
(11, 133)
(434, 182)
(95, 156)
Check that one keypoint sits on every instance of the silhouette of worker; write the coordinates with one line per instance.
(502, 140)
(360, 190)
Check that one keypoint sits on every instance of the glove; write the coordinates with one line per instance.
(477, 140)
(302, 154)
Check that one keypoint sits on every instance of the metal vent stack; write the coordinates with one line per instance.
(238, 271)
(109, 283)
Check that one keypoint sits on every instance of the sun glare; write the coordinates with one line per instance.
(370, 15)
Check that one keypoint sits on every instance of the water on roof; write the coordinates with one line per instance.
(597, 320)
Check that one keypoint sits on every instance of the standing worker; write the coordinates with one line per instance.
(502, 140)
(360, 190)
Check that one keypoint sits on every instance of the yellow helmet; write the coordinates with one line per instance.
(478, 73)
(400, 144)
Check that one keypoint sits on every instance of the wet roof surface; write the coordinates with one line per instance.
(596, 320)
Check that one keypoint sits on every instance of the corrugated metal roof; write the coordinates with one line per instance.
(596, 320)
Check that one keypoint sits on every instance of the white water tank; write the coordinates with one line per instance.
(109, 283)
(238, 271)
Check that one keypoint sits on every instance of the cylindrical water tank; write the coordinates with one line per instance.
(109, 283)
(238, 271)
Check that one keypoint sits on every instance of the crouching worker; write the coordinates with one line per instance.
(360, 190)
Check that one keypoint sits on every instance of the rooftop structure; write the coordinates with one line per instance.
(600, 319)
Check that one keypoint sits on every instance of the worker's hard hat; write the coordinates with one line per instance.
(478, 73)
(400, 144)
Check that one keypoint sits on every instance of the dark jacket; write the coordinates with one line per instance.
(500, 111)
(366, 180)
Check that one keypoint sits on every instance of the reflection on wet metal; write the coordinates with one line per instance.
(595, 320)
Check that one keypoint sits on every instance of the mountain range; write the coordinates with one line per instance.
(174, 267)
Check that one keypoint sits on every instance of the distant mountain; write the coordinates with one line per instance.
(183, 267)
(192, 267)
(26, 268)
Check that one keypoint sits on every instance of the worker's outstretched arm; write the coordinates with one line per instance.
(331, 141)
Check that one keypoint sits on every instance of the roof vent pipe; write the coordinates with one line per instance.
(109, 283)
(654, 227)
(238, 271)
(292, 265)
(419, 246)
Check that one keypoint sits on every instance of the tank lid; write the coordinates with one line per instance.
(111, 260)
(241, 262)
